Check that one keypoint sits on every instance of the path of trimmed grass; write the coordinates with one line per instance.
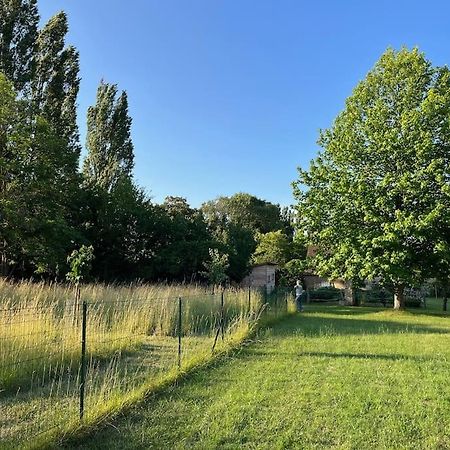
(332, 377)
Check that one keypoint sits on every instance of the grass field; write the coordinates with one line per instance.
(132, 337)
(332, 377)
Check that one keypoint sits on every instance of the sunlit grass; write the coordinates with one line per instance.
(332, 377)
(132, 337)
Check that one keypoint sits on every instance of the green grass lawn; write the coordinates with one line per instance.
(332, 377)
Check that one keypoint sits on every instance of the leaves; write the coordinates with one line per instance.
(375, 200)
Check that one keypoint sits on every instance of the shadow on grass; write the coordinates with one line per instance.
(431, 311)
(365, 356)
(339, 310)
(312, 325)
(333, 320)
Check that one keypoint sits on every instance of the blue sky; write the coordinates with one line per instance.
(228, 95)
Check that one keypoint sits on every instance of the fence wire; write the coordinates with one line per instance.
(69, 363)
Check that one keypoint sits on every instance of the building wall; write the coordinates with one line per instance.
(261, 276)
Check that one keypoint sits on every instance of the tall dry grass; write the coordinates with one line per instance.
(132, 341)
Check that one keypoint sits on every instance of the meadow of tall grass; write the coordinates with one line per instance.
(132, 345)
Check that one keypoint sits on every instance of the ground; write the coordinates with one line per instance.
(332, 377)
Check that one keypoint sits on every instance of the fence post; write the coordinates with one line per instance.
(222, 314)
(179, 332)
(249, 299)
(83, 359)
(275, 297)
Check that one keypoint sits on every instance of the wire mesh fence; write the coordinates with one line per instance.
(71, 362)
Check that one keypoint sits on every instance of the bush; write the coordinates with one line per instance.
(325, 293)
(378, 295)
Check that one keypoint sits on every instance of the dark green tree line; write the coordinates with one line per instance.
(49, 209)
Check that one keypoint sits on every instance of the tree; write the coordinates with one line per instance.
(18, 31)
(245, 210)
(185, 241)
(10, 147)
(273, 247)
(56, 83)
(235, 221)
(34, 230)
(216, 267)
(110, 148)
(80, 262)
(377, 194)
(239, 243)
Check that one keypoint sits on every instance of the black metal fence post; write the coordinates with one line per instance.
(83, 359)
(249, 299)
(179, 331)
(222, 316)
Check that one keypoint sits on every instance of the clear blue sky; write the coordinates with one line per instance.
(229, 95)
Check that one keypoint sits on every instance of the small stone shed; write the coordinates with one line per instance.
(261, 276)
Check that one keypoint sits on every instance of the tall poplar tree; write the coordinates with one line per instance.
(18, 32)
(56, 82)
(110, 148)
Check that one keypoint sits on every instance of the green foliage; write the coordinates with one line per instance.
(244, 210)
(80, 263)
(185, 241)
(273, 247)
(216, 267)
(278, 248)
(18, 31)
(33, 206)
(376, 199)
(56, 83)
(235, 223)
(110, 148)
(325, 293)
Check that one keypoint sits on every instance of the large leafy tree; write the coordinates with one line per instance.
(185, 241)
(40, 147)
(34, 230)
(124, 229)
(375, 201)
(18, 31)
(245, 210)
(235, 222)
(278, 248)
(110, 148)
(10, 145)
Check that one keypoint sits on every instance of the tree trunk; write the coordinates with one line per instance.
(3, 261)
(399, 296)
(3, 266)
(444, 293)
(349, 295)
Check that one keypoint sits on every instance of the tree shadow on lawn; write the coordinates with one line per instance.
(364, 356)
(340, 310)
(312, 325)
(371, 309)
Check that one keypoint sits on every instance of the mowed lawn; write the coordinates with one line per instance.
(332, 377)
